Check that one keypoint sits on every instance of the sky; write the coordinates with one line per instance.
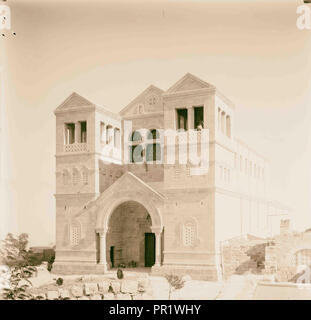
(110, 51)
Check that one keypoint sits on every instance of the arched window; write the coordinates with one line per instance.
(189, 234)
(153, 134)
(153, 150)
(75, 176)
(136, 136)
(66, 177)
(75, 233)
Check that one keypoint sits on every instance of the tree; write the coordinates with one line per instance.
(175, 282)
(15, 255)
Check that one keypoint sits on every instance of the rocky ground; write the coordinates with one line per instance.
(138, 284)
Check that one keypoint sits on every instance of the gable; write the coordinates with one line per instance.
(74, 101)
(189, 82)
(128, 181)
(149, 101)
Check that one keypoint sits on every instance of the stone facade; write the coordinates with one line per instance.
(111, 211)
(288, 254)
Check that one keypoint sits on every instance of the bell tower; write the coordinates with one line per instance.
(77, 178)
(84, 133)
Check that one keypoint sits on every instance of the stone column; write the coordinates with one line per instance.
(102, 248)
(158, 246)
(77, 132)
(190, 118)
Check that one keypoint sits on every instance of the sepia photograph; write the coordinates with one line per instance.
(155, 150)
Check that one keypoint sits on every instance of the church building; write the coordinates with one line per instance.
(127, 194)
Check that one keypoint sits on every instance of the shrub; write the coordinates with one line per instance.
(175, 282)
(120, 274)
(34, 259)
(16, 257)
(59, 281)
(50, 262)
(48, 254)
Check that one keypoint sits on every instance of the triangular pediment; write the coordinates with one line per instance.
(74, 101)
(149, 101)
(129, 181)
(189, 82)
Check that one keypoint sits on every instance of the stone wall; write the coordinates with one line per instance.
(100, 290)
(284, 251)
(235, 255)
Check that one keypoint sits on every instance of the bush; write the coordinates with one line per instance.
(16, 257)
(50, 262)
(59, 281)
(48, 254)
(120, 274)
(34, 259)
(175, 282)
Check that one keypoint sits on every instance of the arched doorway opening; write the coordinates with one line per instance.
(130, 241)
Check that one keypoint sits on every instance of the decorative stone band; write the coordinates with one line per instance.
(76, 147)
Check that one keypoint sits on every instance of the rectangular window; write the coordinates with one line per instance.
(198, 117)
(69, 133)
(83, 132)
(182, 119)
(116, 138)
(109, 134)
(102, 132)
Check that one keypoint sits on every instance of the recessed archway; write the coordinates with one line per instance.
(130, 241)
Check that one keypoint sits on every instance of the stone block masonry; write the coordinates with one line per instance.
(125, 289)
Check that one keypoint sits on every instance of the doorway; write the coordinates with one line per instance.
(149, 249)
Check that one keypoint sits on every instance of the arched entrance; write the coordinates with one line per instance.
(130, 240)
(129, 230)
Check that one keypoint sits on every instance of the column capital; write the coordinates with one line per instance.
(156, 230)
(101, 231)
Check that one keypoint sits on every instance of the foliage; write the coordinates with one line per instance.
(34, 259)
(59, 281)
(15, 255)
(175, 282)
(48, 254)
(121, 265)
(50, 262)
(120, 274)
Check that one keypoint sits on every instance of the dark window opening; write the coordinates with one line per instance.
(136, 136)
(198, 118)
(153, 152)
(117, 137)
(136, 154)
(69, 133)
(83, 131)
(153, 134)
(182, 119)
